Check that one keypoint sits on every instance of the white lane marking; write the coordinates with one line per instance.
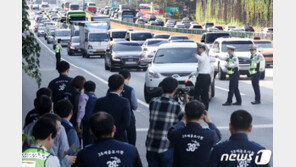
(218, 87)
(88, 72)
(259, 126)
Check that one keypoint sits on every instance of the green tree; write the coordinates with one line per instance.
(30, 47)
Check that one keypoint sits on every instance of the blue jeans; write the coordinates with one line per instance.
(164, 159)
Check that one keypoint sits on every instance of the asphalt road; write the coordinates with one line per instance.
(93, 69)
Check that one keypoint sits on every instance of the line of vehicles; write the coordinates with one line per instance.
(160, 55)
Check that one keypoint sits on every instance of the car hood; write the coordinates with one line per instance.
(118, 39)
(267, 51)
(174, 67)
(128, 54)
(139, 42)
(63, 38)
(243, 55)
(75, 44)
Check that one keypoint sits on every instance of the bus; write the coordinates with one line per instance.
(76, 16)
(145, 8)
(126, 15)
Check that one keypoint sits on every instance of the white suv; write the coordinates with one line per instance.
(242, 51)
(173, 60)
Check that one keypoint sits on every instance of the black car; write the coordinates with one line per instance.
(124, 55)
(160, 22)
(163, 36)
(248, 28)
(74, 46)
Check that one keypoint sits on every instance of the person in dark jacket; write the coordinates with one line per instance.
(64, 109)
(193, 143)
(238, 150)
(60, 84)
(107, 151)
(129, 93)
(33, 114)
(74, 94)
(117, 106)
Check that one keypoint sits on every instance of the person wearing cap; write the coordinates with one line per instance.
(232, 66)
(255, 60)
(203, 79)
(58, 50)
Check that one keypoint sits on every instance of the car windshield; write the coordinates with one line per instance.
(51, 33)
(98, 37)
(128, 13)
(197, 26)
(264, 44)
(162, 36)
(141, 36)
(41, 28)
(126, 47)
(63, 33)
(118, 34)
(97, 25)
(75, 40)
(181, 26)
(240, 46)
(210, 24)
(179, 37)
(92, 4)
(156, 42)
(74, 7)
(210, 38)
(175, 55)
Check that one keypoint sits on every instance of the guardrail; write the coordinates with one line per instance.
(266, 36)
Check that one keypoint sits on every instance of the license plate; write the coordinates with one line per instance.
(130, 62)
(181, 86)
(99, 50)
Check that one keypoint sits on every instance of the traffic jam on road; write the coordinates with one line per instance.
(216, 68)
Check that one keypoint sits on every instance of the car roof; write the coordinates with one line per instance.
(124, 42)
(178, 45)
(156, 39)
(233, 39)
(117, 30)
(179, 36)
(139, 32)
(161, 34)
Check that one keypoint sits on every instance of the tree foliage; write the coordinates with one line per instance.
(30, 47)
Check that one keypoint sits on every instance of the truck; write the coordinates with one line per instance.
(94, 38)
(91, 7)
(102, 19)
(75, 16)
(126, 15)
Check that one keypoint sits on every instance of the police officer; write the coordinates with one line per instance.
(58, 50)
(107, 151)
(203, 80)
(255, 60)
(232, 67)
(238, 150)
(60, 84)
(193, 143)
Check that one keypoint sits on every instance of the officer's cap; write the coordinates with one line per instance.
(200, 45)
(230, 47)
(253, 47)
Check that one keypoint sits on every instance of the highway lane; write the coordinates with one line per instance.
(93, 69)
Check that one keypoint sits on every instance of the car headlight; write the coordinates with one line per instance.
(115, 58)
(152, 74)
(72, 47)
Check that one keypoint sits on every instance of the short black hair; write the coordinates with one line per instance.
(101, 124)
(63, 66)
(125, 73)
(63, 108)
(115, 81)
(89, 86)
(241, 120)
(78, 82)
(194, 110)
(43, 105)
(59, 40)
(44, 91)
(169, 84)
(43, 128)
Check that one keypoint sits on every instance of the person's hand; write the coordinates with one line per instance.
(191, 75)
(207, 118)
(195, 55)
(79, 131)
(71, 159)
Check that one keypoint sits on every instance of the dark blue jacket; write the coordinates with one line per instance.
(71, 133)
(58, 87)
(73, 95)
(119, 108)
(239, 146)
(89, 108)
(31, 116)
(192, 144)
(127, 93)
(108, 152)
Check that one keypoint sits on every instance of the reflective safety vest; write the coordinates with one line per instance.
(229, 62)
(253, 65)
(58, 48)
(34, 157)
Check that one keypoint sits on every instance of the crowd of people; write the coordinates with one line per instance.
(71, 126)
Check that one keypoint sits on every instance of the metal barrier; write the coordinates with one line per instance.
(266, 36)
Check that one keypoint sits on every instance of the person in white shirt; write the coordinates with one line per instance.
(203, 79)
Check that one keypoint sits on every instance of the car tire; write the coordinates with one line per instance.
(147, 95)
(221, 74)
(262, 75)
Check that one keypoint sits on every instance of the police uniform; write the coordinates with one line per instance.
(58, 50)
(254, 72)
(109, 153)
(238, 151)
(232, 69)
(192, 144)
(203, 79)
(59, 86)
